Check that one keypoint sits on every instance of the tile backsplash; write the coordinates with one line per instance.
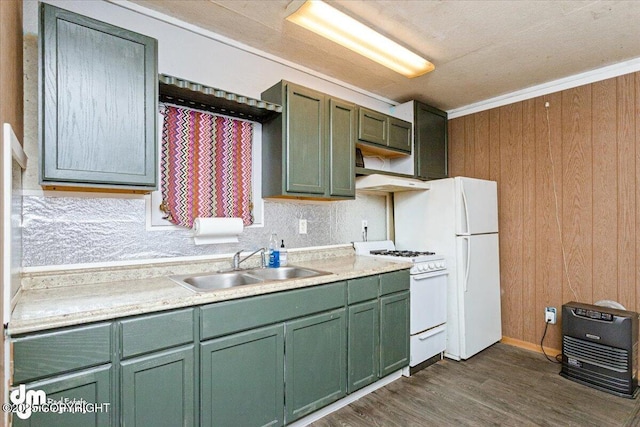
(76, 230)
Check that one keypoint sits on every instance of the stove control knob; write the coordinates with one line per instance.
(432, 266)
(441, 264)
(422, 267)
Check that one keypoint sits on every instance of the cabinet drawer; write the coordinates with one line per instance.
(89, 385)
(362, 289)
(427, 344)
(234, 316)
(155, 332)
(394, 282)
(57, 352)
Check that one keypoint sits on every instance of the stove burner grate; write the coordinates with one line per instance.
(406, 254)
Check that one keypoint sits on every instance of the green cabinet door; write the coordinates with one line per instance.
(430, 142)
(158, 389)
(342, 143)
(91, 386)
(363, 349)
(308, 151)
(315, 362)
(242, 379)
(305, 140)
(373, 126)
(394, 332)
(98, 100)
(400, 134)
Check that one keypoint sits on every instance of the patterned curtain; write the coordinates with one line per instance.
(205, 166)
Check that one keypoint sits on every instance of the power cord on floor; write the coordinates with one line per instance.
(544, 334)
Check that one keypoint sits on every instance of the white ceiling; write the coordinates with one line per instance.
(481, 48)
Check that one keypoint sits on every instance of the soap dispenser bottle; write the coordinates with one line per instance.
(274, 254)
(283, 255)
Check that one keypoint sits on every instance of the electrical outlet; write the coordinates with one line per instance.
(364, 225)
(550, 315)
(302, 226)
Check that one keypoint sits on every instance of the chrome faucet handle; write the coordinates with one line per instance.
(236, 259)
(263, 258)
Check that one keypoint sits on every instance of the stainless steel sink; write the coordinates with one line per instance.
(284, 273)
(213, 281)
(223, 280)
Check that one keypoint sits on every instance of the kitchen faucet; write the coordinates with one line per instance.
(237, 260)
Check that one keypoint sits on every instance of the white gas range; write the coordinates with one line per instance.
(428, 306)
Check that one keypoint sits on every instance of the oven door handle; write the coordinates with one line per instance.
(430, 333)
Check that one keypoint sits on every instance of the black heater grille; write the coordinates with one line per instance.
(616, 359)
(599, 347)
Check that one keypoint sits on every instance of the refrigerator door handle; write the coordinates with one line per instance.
(467, 262)
(466, 209)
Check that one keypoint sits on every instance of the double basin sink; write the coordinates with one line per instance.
(229, 279)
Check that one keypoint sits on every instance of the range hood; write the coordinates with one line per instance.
(389, 183)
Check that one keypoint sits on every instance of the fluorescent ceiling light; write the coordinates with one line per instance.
(328, 22)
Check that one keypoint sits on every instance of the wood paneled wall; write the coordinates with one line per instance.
(11, 83)
(569, 198)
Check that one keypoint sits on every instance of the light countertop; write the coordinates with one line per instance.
(47, 307)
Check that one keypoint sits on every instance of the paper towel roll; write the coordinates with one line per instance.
(207, 231)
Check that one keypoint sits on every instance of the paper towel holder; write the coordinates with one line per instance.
(217, 230)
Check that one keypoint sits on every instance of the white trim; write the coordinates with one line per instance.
(241, 46)
(16, 149)
(350, 398)
(11, 149)
(7, 374)
(592, 76)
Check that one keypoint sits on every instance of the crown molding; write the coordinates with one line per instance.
(592, 76)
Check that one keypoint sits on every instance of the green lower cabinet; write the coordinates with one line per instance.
(242, 379)
(364, 344)
(158, 389)
(315, 362)
(394, 332)
(92, 386)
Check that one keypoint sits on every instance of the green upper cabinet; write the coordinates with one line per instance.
(430, 154)
(308, 150)
(380, 134)
(305, 162)
(373, 127)
(400, 134)
(342, 138)
(98, 99)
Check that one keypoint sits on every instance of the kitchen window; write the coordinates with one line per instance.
(213, 186)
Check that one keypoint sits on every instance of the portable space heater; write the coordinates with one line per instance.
(600, 348)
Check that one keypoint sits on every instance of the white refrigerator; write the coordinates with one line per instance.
(458, 218)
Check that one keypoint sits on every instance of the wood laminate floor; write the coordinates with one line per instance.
(501, 386)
